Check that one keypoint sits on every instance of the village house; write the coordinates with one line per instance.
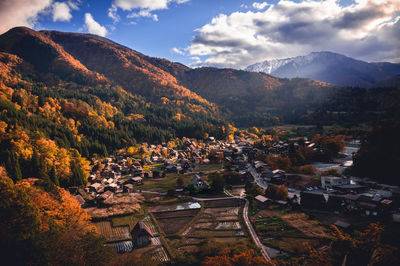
(262, 201)
(141, 235)
(198, 182)
(343, 225)
(301, 182)
(128, 188)
(104, 196)
(136, 181)
(96, 188)
(80, 200)
(331, 181)
(111, 187)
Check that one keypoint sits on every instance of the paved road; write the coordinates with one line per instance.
(257, 176)
(205, 199)
(253, 232)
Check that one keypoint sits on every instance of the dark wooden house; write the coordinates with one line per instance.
(141, 235)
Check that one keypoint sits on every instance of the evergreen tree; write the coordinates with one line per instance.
(105, 153)
(53, 176)
(35, 163)
(42, 169)
(78, 176)
(13, 167)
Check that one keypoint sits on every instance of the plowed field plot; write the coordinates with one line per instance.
(301, 222)
(222, 203)
(176, 207)
(203, 225)
(190, 248)
(287, 231)
(227, 226)
(149, 223)
(231, 239)
(173, 225)
(193, 241)
(113, 233)
(226, 218)
(291, 245)
(174, 214)
(159, 254)
(275, 226)
(209, 233)
(222, 212)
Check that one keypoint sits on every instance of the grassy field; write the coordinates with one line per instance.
(276, 226)
(291, 245)
(128, 220)
(165, 183)
(208, 167)
(150, 167)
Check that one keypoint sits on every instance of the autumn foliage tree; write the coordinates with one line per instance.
(41, 224)
(278, 162)
(276, 192)
(365, 248)
(227, 258)
(330, 146)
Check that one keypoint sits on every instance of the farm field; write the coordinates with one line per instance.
(219, 220)
(164, 183)
(207, 167)
(288, 231)
(174, 224)
(111, 233)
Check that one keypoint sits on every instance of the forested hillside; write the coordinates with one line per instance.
(55, 112)
(42, 224)
(65, 97)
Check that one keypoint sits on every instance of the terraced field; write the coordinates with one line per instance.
(171, 222)
(219, 221)
(113, 234)
(285, 230)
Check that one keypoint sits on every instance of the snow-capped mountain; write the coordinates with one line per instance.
(328, 67)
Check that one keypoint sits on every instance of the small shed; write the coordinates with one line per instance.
(342, 225)
(262, 200)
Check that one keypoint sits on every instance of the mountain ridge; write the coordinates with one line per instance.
(328, 67)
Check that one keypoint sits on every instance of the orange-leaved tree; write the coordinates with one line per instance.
(41, 223)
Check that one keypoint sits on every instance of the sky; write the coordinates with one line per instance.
(223, 33)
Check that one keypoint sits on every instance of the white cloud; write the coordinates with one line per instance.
(178, 51)
(21, 12)
(112, 13)
(74, 5)
(259, 6)
(143, 8)
(93, 26)
(61, 12)
(142, 4)
(367, 29)
(196, 61)
(143, 13)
